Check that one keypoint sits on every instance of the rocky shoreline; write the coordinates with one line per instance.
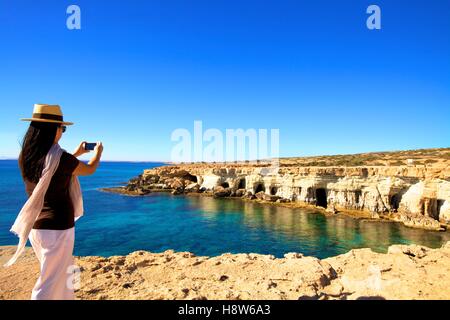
(404, 272)
(418, 197)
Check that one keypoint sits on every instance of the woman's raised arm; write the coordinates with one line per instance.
(84, 169)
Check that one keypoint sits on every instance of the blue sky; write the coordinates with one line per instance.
(137, 70)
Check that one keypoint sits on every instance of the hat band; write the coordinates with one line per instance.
(47, 116)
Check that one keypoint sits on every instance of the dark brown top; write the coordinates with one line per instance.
(57, 212)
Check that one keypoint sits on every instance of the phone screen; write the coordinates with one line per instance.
(89, 146)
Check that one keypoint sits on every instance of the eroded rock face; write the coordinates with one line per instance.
(416, 196)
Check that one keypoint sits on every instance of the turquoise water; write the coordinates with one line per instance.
(115, 224)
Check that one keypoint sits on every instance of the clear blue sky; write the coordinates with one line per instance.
(137, 70)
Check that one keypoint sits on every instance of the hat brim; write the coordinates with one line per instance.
(46, 120)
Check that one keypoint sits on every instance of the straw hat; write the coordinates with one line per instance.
(47, 113)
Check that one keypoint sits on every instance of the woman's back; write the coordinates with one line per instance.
(57, 212)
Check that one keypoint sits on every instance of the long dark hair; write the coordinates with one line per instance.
(36, 143)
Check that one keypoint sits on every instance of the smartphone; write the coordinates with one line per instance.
(89, 146)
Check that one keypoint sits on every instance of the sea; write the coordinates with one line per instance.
(115, 224)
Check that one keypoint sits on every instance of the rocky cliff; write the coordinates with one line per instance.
(416, 195)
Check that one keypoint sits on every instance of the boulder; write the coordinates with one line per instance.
(240, 192)
(260, 195)
(249, 195)
(220, 192)
(192, 187)
(270, 198)
(331, 209)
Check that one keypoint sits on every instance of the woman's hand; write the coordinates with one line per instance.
(98, 149)
(80, 150)
(84, 169)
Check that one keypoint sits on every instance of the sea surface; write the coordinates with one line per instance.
(115, 224)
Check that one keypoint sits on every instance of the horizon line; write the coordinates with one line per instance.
(315, 155)
(284, 157)
(135, 161)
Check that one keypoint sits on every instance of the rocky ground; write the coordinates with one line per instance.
(438, 157)
(405, 272)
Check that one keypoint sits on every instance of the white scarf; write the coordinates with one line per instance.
(33, 207)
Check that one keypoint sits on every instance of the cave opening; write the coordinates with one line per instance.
(260, 187)
(189, 177)
(395, 201)
(225, 185)
(321, 197)
(273, 191)
(357, 195)
(241, 184)
(297, 193)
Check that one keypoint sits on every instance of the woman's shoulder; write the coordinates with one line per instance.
(69, 161)
(67, 156)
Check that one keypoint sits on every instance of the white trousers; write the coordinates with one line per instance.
(54, 250)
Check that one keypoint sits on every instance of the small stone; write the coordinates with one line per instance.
(271, 285)
(127, 285)
(185, 291)
(293, 255)
(223, 278)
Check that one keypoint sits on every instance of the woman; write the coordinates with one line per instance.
(54, 203)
